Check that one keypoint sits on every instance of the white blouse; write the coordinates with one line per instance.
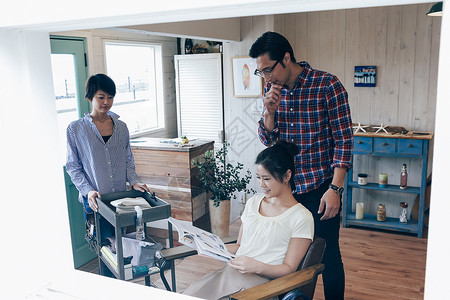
(266, 239)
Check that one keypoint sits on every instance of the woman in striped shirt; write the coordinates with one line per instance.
(99, 157)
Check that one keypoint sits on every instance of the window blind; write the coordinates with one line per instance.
(199, 96)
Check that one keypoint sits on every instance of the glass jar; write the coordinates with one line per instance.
(381, 213)
(362, 179)
(403, 216)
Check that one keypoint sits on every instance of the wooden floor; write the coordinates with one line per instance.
(378, 265)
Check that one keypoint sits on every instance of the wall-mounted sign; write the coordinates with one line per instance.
(365, 75)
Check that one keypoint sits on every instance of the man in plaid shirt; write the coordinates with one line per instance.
(309, 108)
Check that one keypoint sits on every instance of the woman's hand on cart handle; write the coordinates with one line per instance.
(92, 195)
(141, 187)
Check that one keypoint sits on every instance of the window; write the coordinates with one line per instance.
(136, 68)
(200, 96)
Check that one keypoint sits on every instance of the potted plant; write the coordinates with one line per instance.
(221, 180)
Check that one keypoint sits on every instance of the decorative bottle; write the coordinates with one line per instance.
(404, 178)
(140, 233)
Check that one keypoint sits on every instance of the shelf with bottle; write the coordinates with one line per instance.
(391, 223)
(388, 188)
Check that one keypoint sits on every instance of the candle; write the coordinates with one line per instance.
(359, 210)
(383, 180)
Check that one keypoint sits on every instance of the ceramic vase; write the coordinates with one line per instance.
(220, 217)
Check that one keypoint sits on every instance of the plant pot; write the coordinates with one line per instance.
(220, 217)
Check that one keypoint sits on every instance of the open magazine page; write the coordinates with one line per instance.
(204, 242)
(185, 232)
(211, 245)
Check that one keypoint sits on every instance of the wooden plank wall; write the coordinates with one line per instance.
(404, 45)
(400, 40)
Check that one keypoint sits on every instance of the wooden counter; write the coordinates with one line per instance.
(167, 171)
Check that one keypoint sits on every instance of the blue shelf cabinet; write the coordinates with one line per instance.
(411, 145)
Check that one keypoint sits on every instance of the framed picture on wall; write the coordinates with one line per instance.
(245, 82)
(365, 76)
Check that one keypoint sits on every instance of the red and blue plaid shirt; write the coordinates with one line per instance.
(315, 115)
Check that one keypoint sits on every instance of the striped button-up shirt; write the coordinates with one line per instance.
(95, 165)
(315, 115)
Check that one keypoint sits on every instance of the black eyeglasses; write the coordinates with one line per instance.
(266, 71)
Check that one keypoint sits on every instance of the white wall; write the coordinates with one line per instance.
(438, 261)
(36, 240)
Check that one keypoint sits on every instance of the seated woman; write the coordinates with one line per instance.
(275, 234)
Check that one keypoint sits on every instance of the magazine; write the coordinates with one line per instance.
(206, 243)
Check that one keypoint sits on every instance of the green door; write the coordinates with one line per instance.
(69, 77)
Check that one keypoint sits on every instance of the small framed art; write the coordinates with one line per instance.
(245, 82)
(365, 76)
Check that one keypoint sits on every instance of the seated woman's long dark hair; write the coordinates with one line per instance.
(279, 158)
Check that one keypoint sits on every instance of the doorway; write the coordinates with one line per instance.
(69, 69)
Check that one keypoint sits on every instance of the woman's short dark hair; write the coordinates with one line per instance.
(279, 158)
(274, 44)
(100, 82)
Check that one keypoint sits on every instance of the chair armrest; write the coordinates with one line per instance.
(280, 285)
(185, 251)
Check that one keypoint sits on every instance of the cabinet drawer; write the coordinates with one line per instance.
(384, 145)
(362, 144)
(407, 146)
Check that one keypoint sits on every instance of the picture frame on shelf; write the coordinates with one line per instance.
(245, 82)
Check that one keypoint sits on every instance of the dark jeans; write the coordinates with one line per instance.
(333, 275)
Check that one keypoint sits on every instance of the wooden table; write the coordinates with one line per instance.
(167, 171)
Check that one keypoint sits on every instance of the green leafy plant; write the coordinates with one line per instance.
(220, 178)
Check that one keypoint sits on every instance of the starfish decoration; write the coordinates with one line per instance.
(360, 127)
(381, 127)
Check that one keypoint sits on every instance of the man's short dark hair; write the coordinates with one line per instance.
(274, 44)
(100, 82)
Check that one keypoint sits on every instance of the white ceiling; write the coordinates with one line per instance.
(52, 15)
